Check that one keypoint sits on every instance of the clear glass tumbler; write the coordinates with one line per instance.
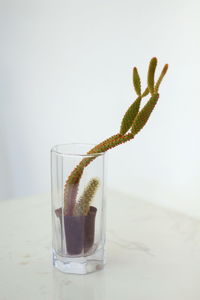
(78, 208)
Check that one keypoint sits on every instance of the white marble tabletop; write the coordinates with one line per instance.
(152, 254)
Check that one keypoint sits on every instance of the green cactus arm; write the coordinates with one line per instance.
(143, 116)
(151, 74)
(136, 81)
(129, 116)
(83, 205)
(164, 71)
(131, 113)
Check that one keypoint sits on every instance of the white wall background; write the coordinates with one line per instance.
(65, 76)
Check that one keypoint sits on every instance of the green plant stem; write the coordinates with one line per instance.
(71, 185)
(82, 207)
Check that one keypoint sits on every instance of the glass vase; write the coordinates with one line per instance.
(78, 208)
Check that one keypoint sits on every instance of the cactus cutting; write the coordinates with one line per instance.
(132, 123)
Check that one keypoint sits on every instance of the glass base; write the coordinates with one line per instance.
(79, 265)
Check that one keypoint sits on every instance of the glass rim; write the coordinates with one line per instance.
(70, 153)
